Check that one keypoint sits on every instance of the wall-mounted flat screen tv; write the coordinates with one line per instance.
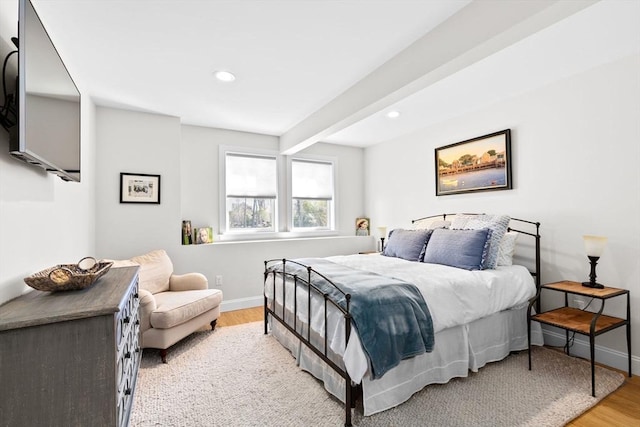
(48, 129)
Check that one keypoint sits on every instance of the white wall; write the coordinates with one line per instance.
(576, 151)
(241, 263)
(44, 221)
(186, 157)
(135, 142)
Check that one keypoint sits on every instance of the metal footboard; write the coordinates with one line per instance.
(306, 286)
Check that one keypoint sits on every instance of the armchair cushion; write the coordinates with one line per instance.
(174, 308)
(188, 282)
(147, 306)
(155, 270)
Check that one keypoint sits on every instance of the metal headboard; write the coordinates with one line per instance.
(516, 225)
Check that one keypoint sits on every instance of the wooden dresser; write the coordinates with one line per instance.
(71, 358)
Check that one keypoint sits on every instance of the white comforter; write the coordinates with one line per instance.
(454, 297)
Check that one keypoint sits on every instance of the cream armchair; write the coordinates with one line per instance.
(171, 306)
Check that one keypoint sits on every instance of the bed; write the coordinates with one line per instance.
(461, 283)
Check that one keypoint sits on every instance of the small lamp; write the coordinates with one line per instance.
(594, 246)
(383, 234)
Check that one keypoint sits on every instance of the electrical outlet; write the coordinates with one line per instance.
(218, 281)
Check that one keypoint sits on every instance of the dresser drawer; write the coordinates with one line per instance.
(129, 354)
(128, 314)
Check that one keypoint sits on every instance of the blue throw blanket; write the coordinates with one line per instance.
(391, 316)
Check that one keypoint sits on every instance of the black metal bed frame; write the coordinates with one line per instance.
(352, 391)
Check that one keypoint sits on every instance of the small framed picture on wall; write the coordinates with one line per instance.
(139, 188)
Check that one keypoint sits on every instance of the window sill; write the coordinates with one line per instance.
(277, 236)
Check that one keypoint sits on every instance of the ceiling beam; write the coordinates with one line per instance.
(478, 30)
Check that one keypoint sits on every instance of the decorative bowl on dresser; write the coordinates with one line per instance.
(67, 277)
(71, 358)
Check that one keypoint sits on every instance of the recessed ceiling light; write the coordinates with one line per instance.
(393, 114)
(224, 76)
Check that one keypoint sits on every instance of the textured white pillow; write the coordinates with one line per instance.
(430, 224)
(422, 224)
(460, 221)
(507, 248)
(439, 224)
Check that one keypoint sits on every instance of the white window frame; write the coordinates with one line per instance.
(333, 226)
(277, 220)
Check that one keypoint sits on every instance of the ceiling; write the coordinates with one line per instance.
(312, 70)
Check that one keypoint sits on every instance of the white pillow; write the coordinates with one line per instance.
(422, 224)
(430, 224)
(460, 221)
(507, 248)
(439, 224)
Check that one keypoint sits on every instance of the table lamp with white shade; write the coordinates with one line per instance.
(594, 246)
(382, 230)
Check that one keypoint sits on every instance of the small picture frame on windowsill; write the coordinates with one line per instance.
(362, 226)
(203, 235)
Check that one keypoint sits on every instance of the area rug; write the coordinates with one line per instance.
(237, 376)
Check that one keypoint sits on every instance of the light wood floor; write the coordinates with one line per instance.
(237, 317)
(621, 408)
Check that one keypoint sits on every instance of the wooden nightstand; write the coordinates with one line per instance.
(583, 322)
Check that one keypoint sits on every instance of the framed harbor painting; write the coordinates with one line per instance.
(478, 164)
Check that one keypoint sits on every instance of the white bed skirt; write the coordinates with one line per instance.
(457, 351)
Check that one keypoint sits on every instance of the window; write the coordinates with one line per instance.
(311, 194)
(252, 182)
(250, 187)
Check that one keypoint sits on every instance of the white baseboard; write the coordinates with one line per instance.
(240, 303)
(606, 356)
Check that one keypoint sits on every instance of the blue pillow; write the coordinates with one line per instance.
(407, 244)
(465, 249)
(498, 224)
